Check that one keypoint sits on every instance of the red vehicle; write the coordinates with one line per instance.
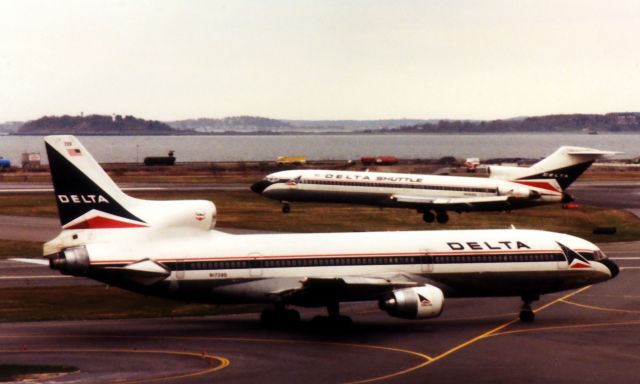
(379, 160)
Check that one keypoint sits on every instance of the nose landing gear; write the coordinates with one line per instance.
(286, 208)
(526, 313)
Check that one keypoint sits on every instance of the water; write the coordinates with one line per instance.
(327, 147)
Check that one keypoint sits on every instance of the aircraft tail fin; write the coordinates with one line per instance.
(556, 171)
(88, 198)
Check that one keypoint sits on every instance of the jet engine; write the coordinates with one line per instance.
(196, 214)
(71, 261)
(519, 193)
(414, 303)
(504, 172)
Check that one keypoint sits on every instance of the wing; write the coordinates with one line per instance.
(454, 203)
(42, 262)
(320, 290)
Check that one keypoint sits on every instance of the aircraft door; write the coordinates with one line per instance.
(255, 264)
(426, 264)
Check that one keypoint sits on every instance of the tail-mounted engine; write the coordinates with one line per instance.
(414, 303)
(197, 214)
(70, 261)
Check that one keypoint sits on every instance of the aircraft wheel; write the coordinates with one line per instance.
(442, 217)
(268, 317)
(286, 208)
(279, 318)
(428, 217)
(291, 316)
(527, 316)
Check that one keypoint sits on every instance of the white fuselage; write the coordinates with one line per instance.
(218, 267)
(377, 188)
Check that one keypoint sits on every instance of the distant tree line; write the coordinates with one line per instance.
(611, 122)
(94, 125)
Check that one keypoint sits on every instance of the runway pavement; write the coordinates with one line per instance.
(621, 195)
(584, 336)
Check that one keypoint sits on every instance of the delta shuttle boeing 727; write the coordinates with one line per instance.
(168, 249)
(507, 188)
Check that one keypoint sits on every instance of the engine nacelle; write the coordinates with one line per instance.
(414, 303)
(71, 261)
(200, 214)
(519, 193)
(504, 172)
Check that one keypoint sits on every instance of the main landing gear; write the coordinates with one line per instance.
(526, 313)
(334, 318)
(441, 217)
(279, 316)
(286, 208)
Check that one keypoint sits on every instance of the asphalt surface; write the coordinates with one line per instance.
(621, 195)
(585, 336)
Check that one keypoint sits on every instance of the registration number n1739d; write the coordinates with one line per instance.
(218, 275)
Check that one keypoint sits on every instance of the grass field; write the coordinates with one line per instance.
(15, 248)
(97, 302)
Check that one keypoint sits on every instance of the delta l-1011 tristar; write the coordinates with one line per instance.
(506, 188)
(167, 249)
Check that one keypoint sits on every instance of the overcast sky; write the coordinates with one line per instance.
(314, 59)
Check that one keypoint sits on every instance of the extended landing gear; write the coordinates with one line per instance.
(279, 317)
(334, 319)
(441, 217)
(526, 313)
(428, 217)
(286, 208)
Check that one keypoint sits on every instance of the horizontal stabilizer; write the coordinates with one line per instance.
(591, 152)
(43, 262)
(145, 272)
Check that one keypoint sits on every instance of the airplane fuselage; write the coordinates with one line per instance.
(215, 267)
(379, 189)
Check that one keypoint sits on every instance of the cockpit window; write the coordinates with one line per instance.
(599, 255)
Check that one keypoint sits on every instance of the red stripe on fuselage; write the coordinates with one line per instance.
(538, 184)
(99, 222)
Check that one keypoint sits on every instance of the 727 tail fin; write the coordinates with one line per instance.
(556, 171)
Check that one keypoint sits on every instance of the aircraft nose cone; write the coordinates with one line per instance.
(613, 267)
(260, 186)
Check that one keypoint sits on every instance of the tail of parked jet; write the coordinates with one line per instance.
(88, 199)
(555, 172)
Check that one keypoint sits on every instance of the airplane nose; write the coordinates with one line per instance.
(260, 186)
(613, 267)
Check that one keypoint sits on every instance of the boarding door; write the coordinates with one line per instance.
(426, 261)
(255, 264)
